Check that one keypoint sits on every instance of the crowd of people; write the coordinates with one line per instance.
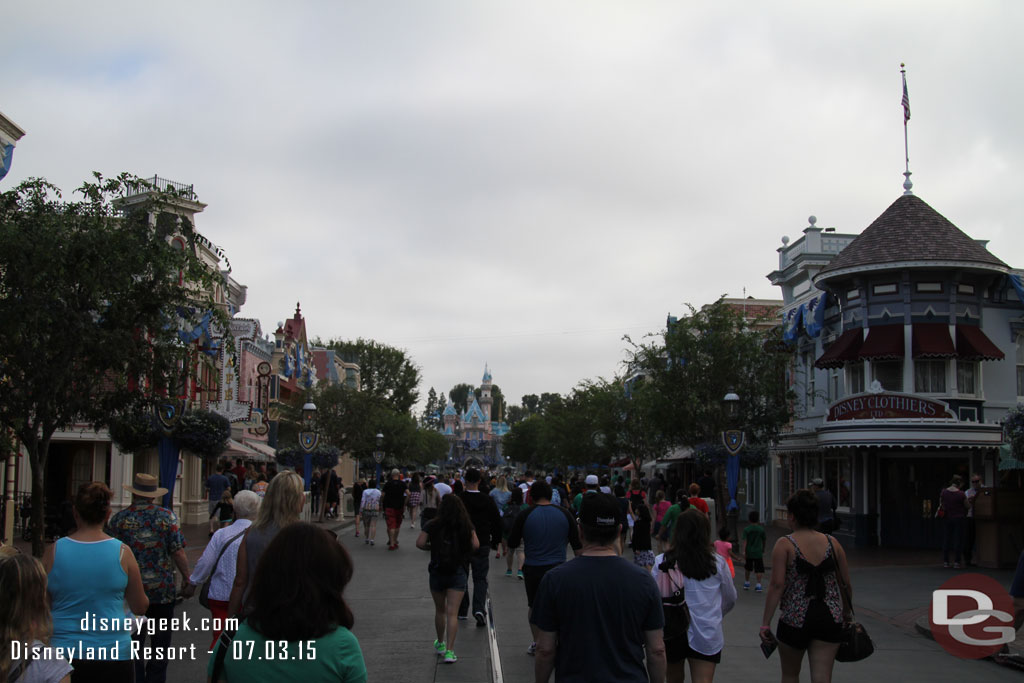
(594, 614)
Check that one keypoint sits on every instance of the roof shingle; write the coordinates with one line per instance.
(910, 230)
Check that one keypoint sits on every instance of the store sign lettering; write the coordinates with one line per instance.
(887, 407)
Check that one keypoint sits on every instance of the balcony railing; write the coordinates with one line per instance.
(163, 185)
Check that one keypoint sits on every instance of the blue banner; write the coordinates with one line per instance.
(814, 317)
(1019, 286)
(168, 450)
(732, 479)
(6, 156)
(792, 322)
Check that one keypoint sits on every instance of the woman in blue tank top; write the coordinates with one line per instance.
(91, 575)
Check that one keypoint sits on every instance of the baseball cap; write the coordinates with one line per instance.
(599, 509)
(818, 481)
(591, 480)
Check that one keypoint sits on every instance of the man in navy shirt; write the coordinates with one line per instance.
(544, 529)
(599, 617)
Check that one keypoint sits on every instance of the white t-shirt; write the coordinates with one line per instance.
(709, 600)
(370, 500)
(442, 490)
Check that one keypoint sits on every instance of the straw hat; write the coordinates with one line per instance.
(146, 486)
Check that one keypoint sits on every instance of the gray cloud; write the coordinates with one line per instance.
(521, 184)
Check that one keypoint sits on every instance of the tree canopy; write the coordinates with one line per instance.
(384, 371)
(90, 292)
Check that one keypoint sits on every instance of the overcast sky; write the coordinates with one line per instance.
(522, 183)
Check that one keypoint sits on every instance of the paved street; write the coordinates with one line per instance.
(394, 624)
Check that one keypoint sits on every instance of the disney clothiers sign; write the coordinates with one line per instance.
(887, 407)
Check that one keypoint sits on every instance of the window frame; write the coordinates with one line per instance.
(875, 364)
(932, 364)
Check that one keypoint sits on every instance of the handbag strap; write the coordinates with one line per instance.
(844, 590)
(224, 642)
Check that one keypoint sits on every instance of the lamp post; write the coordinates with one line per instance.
(309, 438)
(733, 440)
(378, 455)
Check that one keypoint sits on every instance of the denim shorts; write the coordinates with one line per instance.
(456, 581)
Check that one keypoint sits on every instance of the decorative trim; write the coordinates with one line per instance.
(901, 265)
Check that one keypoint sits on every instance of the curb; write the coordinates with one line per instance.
(492, 641)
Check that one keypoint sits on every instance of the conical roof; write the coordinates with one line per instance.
(908, 231)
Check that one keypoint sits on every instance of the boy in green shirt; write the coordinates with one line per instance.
(753, 549)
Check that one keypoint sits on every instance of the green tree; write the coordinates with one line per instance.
(459, 395)
(701, 358)
(433, 410)
(531, 403)
(89, 291)
(385, 371)
(705, 355)
(523, 442)
(515, 414)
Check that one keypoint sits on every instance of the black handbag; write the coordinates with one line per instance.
(856, 643)
(204, 592)
(676, 611)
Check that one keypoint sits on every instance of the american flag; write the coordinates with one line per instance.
(906, 101)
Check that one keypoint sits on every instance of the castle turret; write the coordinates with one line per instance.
(485, 394)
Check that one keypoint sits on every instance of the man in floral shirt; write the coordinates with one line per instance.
(153, 535)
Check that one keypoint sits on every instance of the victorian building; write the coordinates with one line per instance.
(906, 339)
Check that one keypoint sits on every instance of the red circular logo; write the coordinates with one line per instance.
(972, 616)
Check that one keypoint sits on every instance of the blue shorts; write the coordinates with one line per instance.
(456, 581)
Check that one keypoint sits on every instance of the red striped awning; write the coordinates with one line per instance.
(932, 340)
(842, 350)
(884, 342)
(973, 344)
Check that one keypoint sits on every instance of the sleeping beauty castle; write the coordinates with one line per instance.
(473, 437)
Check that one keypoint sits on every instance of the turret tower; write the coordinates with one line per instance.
(485, 394)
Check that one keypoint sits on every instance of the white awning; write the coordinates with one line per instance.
(261, 447)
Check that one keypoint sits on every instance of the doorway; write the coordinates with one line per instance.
(909, 497)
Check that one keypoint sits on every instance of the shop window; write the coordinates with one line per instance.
(839, 481)
(785, 482)
(1020, 365)
(967, 377)
(852, 294)
(889, 373)
(965, 289)
(930, 376)
(812, 399)
(834, 385)
(855, 378)
(926, 287)
(883, 289)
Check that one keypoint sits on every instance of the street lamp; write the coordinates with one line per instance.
(378, 455)
(309, 438)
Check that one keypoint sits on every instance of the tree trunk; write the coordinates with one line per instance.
(38, 452)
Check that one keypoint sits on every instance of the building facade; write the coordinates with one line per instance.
(907, 339)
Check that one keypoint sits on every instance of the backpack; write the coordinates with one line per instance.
(448, 556)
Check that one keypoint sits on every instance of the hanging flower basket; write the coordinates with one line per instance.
(323, 457)
(203, 433)
(134, 432)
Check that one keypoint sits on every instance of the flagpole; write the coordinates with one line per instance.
(907, 184)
